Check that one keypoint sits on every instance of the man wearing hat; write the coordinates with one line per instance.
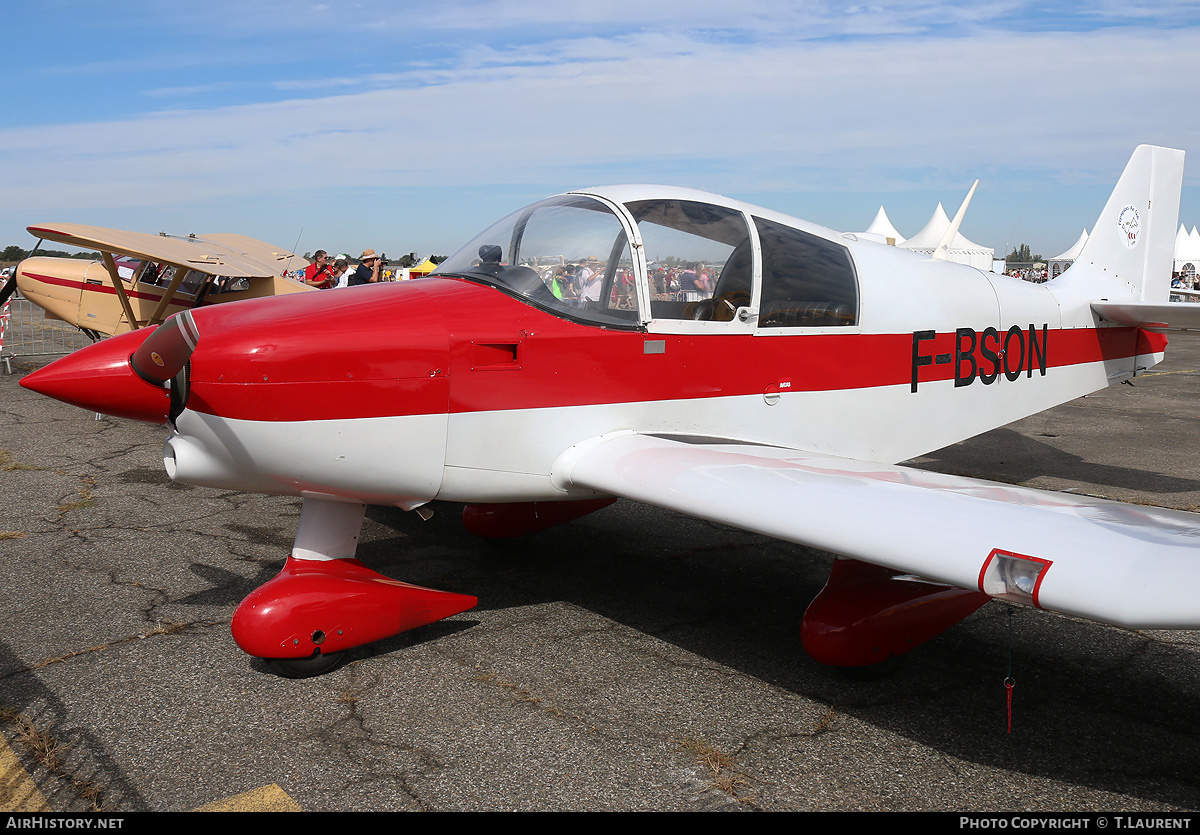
(368, 270)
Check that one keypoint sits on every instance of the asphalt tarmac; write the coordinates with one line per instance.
(635, 659)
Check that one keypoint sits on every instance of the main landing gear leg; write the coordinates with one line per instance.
(325, 601)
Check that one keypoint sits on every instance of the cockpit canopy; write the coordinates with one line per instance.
(689, 260)
(569, 254)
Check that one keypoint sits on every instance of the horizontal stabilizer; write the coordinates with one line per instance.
(1130, 565)
(1155, 316)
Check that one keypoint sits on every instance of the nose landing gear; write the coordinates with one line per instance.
(325, 601)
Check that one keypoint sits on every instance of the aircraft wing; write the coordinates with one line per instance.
(1130, 565)
(227, 256)
(258, 250)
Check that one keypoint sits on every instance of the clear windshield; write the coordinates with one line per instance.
(567, 254)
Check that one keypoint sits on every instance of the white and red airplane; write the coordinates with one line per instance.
(692, 352)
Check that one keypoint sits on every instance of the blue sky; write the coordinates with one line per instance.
(411, 126)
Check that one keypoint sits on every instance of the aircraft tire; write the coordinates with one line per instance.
(315, 665)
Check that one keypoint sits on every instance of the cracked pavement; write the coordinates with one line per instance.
(635, 659)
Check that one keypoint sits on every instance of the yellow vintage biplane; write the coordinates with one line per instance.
(142, 279)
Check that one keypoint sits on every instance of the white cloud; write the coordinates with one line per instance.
(734, 114)
(285, 23)
(607, 103)
(190, 90)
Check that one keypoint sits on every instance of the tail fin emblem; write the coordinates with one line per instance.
(1131, 225)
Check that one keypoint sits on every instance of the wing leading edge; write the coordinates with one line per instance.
(218, 254)
(1124, 564)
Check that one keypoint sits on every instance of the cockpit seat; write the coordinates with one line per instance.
(789, 314)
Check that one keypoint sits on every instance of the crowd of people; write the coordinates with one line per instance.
(1179, 281)
(581, 281)
(1185, 281)
(689, 282)
(1036, 276)
(325, 274)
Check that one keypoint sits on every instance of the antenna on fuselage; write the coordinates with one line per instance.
(942, 251)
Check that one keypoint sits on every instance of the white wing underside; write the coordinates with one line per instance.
(1129, 565)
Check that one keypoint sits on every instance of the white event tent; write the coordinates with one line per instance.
(962, 250)
(1187, 252)
(882, 226)
(1058, 263)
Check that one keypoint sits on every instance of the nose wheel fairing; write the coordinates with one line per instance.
(328, 606)
(325, 601)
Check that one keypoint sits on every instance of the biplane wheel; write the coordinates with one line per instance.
(315, 665)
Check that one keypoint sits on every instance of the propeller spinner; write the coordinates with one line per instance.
(140, 375)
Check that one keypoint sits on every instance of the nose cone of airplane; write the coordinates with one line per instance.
(99, 378)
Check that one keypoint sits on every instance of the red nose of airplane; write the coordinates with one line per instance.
(344, 355)
(99, 378)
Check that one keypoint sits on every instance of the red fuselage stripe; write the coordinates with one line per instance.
(444, 345)
(104, 288)
(613, 368)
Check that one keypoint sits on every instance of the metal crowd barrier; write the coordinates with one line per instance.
(26, 331)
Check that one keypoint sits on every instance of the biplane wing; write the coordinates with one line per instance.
(219, 256)
(281, 260)
(175, 273)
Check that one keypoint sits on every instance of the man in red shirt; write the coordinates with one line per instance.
(319, 274)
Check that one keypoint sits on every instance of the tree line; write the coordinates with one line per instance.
(15, 253)
(1023, 253)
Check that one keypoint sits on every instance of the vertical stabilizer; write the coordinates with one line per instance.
(1130, 251)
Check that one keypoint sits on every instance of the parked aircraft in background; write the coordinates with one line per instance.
(142, 279)
(778, 400)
